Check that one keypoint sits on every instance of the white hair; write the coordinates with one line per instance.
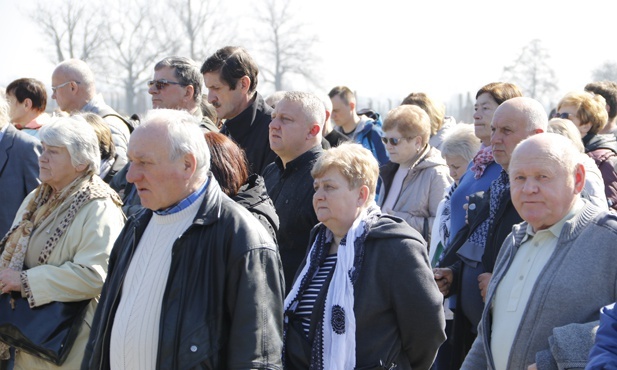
(183, 136)
(78, 137)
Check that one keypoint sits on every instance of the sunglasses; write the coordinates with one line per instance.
(55, 88)
(161, 84)
(562, 115)
(393, 140)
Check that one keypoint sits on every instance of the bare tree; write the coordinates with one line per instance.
(74, 28)
(202, 26)
(287, 46)
(531, 72)
(605, 72)
(136, 45)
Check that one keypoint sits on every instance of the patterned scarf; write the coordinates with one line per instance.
(43, 205)
(483, 158)
(444, 226)
(334, 343)
(500, 185)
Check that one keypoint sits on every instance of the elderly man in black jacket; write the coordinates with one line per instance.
(195, 281)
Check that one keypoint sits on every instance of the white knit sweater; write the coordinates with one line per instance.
(135, 331)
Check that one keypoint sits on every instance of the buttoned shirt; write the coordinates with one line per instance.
(513, 291)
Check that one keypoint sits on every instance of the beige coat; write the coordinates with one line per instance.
(76, 268)
(422, 190)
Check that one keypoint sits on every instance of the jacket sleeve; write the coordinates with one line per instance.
(86, 243)
(476, 357)
(603, 354)
(418, 305)
(30, 165)
(569, 347)
(255, 306)
(439, 180)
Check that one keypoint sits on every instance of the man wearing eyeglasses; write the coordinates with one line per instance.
(74, 90)
(230, 75)
(177, 84)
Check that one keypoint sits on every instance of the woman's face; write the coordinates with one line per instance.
(55, 167)
(406, 149)
(571, 111)
(335, 204)
(484, 109)
(457, 165)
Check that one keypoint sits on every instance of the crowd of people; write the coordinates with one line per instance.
(227, 230)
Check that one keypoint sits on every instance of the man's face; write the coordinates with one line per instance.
(289, 130)
(170, 96)
(341, 112)
(509, 128)
(542, 190)
(160, 182)
(62, 92)
(227, 102)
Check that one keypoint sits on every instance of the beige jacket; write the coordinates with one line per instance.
(422, 190)
(76, 268)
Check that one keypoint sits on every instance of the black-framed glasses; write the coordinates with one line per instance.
(54, 88)
(561, 115)
(394, 141)
(161, 84)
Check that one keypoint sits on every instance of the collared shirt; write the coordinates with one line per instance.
(291, 191)
(513, 292)
(184, 203)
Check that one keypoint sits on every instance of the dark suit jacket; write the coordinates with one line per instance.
(19, 172)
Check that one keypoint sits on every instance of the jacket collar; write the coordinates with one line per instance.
(305, 159)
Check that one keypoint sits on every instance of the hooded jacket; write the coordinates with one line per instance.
(398, 307)
(254, 197)
(422, 189)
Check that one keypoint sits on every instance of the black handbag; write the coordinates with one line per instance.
(47, 331)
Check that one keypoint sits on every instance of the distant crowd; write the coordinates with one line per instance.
(227, 230)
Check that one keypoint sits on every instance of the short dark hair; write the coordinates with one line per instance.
(186, 71)
(608, 90)
(343, 92)
(232, 63)
(29, 88)
(228, 163)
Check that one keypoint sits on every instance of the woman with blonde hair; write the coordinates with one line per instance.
(347, 308)
(416, 176)
(588, 113)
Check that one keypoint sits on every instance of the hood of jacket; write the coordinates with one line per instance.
(254, 197)
(598, 141)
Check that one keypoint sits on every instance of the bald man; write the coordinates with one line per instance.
(545, 295)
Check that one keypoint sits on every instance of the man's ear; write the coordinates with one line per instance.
(190, 92)
(28, 103)
(244, 83)
(352, 105)
(579, 178)
(315, 129)
(190, 165)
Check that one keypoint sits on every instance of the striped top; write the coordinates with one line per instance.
(307, 302)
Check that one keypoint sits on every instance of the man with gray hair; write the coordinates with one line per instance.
(295, 137)
(469, 259)
(199, 271)
(555, 271)
(177, 84)
(74, 90)
(19, 167)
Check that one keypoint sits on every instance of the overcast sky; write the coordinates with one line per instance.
(388, 48)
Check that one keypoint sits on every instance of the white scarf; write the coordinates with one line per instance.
(339, 321)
